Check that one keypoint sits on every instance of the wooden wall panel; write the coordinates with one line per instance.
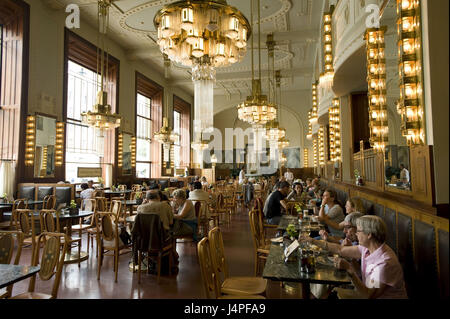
(421, 174)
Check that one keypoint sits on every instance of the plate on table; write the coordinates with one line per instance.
(277, 240)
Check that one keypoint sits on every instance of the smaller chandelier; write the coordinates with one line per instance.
(199, 146)
(256, 110)
(101, 118)
(274, 132)
(165, 135)
(283, 143)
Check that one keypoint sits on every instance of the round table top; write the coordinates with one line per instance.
(62, 215)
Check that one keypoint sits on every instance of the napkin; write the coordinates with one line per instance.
(289, 250)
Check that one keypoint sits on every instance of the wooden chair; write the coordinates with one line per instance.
(100, 206)
(259, 207)
(52, 262)
(26, 224)
(231, 285)
(201, 209)
(87, 205)
(221, 209)
(108, 239)
(12, 224)
(230, 203)
(261, 248)
(49, 221)
(209, 276)
(7, 250)
(49, 202)
(159, 245)
(98, 193)
(136, 188)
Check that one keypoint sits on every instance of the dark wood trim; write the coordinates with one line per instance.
(443, 210)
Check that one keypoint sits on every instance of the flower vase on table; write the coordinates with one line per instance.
(73, 209)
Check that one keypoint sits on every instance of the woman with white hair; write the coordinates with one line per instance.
(381, 272)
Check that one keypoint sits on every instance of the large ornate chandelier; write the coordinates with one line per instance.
(101, 117)
(165, 135)
(197, 31)
(256, 110)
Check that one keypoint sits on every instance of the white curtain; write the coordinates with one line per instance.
(108, 175)
(7, 176)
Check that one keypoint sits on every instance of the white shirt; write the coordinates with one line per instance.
(404, 175)
(289, 176)
(241, 176)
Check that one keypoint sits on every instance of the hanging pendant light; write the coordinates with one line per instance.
(101, 118)
(256, 110)
(165, 135)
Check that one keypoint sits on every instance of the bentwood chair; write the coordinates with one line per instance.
(231, 285)
(221, 209)
(259, 207)
(108, 240)
(27, 227)
(261, 248)
(49, 202)
(52, 262)
(210, 277)
(7, 243)
(87, 205)
(100, 206)
(12, 224)
(201, 211)
(49, 221)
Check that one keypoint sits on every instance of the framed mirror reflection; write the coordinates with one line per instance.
(126, 154)
(44, 164)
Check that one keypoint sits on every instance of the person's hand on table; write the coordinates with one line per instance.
(343, 264)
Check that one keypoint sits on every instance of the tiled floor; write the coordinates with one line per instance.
(82, 283)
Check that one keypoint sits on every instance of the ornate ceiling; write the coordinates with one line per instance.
(294, 23)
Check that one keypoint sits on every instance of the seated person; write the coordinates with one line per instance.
(297, 193)
(154, 205)
(354, 205)
(204, 182)
(198, 193)
(331, 213)
(190, 188)
(185, 221)
(90, 184)
(312, 188)
(86, 193)
(275, 202)
(381, 272)
(349, 227)
(317, 198)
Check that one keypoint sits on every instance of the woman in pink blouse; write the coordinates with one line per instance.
(381, 272)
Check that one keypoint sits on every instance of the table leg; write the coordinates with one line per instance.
(73, 257)
(306, 291)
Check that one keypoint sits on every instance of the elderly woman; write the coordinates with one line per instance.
(381, 272)
(185, 221)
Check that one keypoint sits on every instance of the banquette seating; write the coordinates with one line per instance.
(64, 192)
(420, 240)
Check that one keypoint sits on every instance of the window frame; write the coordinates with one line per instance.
(149, 162)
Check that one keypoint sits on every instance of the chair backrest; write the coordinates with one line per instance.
(256, 229)
(220, 201)
(49, 202)
(26, 222)
(148, 233)
(98, 193)
(49, 221)
(107, 227)
(122, 187)
(52, 260)
(209, 276)
(89, 205)
(101, 204)
(7, 239)
(217, 252)
(136, 188)
(197, 207)
(116, 207)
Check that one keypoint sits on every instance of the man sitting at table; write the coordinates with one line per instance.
(274, 203)
(86, 193)
(153, 205)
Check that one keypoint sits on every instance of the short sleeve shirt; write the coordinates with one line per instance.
(383, 267)
(274, 206)
(336, 215)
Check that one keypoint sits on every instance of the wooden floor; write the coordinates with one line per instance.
(82, 283)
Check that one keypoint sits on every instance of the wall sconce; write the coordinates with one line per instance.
(321, 146)
(316, 153)
(59, 144)
(44, 157)
(30, 140)
(335, 131)
(411, 102)
(172, 156)
(309, 135)
(314, 117)
(133, 152)
(326, 78)
(376, 79)
(120, 150)
(305, 157)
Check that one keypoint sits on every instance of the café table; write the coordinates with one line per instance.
(277, 269)
(10, 274)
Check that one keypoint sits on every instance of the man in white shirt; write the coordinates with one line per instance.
(198, 194)
(289, 176)
(241, 176)
(404, 174)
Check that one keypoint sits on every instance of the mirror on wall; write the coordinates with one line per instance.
(126, 154)
(167, 169)
(44, 164)
(397, 152)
